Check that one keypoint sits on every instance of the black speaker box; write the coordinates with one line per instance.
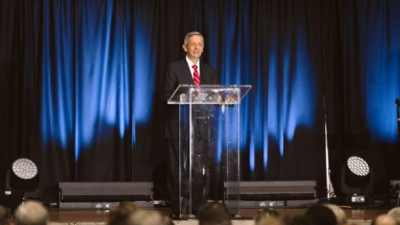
(106, 191)
(271, 190)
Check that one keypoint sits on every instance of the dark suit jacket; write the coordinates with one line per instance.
(178, 73)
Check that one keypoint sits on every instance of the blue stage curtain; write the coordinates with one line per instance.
(80, 82)
(359, 61)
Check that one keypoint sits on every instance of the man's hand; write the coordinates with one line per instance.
(185, 97)
(231, 99)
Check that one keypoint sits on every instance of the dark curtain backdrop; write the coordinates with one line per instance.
(360, 58)
(80, 83)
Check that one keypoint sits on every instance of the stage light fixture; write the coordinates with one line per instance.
(358, 166)
(356, 180)
(24, 175)
(21, 181)
(24, 168)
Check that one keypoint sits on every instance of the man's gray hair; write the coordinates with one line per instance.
(31, 213)
(191, 34)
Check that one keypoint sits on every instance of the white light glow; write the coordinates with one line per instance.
(358, 166)
(24, 168)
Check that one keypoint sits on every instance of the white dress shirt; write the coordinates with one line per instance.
(190, 63)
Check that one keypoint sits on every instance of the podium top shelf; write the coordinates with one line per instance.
(187, 94)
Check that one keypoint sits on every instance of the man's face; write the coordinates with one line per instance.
(194, 47)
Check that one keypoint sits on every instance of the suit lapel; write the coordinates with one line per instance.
(186, 72)
(203, 74)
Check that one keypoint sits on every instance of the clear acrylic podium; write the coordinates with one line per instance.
(209, 144)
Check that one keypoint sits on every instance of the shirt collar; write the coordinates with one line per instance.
(190, 63)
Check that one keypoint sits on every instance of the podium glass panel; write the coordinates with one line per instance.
(209, 145)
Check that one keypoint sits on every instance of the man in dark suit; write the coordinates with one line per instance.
(189, 70)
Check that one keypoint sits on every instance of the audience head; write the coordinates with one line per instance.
(270, 221)
(167, 220)
(31, 213)
(5, 216)
(214, 213)
(384, 220)
(146, 217)
(265, 213)
(119, 215)
(320, 215)
(297, 220)
(395, 213)
(340, 215)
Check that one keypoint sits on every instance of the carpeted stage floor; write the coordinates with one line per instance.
(99, 217)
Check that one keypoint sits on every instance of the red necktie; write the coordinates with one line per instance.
(196, 77)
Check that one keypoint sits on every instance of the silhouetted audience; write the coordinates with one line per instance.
(340, 215)
(31, 213)
(320, 215)
(270, 221)
(146, 217)
(214, 213)
(395, 213)
(120, 215)
(264, 214)
(34, 213)
(167, 220)
(384, 220)
(6, 216)
(297, 220)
